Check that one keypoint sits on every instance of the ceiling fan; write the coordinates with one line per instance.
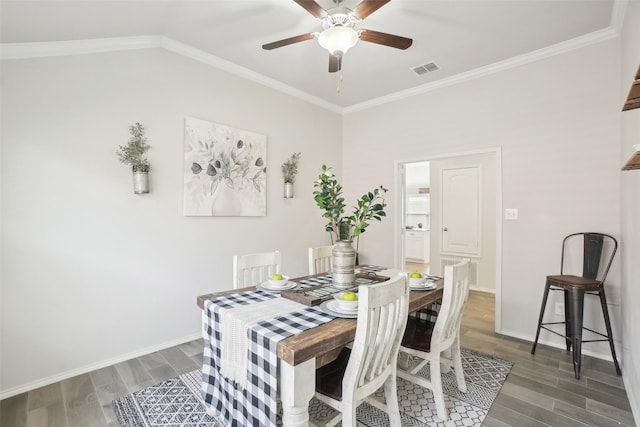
(338, 30)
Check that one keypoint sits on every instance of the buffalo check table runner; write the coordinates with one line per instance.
(255, 404)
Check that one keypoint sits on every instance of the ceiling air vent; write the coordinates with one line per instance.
(429, 67)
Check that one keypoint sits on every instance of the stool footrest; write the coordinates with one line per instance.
(553, 332)
(543, 326)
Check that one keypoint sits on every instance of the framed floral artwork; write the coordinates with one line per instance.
(225, 170)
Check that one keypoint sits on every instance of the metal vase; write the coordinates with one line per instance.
(140, 182)
(343, 258)
(288, 190)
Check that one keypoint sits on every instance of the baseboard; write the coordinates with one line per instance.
(89, 368)
(483, 290)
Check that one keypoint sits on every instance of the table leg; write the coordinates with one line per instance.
(297, 387)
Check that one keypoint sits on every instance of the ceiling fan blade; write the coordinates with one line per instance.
(286, 42)
(385, 39)
(312, 7)
(367, 7)
(335, 63)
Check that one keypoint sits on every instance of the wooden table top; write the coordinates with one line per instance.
(324, 342)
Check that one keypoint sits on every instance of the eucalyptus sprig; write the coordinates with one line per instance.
(370, 206)
(328, 197)
(290, 168)
(131, 154)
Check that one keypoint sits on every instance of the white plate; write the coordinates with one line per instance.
(326, 307)
(266, 286)
(426, 286)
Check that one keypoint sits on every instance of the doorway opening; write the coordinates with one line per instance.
(462, 220)
(417, 217)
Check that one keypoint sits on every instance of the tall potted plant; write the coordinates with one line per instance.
(289, 172)
(132, 154)
(344, 228)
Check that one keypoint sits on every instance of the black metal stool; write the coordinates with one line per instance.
(595, 267)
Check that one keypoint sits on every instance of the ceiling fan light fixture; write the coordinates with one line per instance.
(338, 39)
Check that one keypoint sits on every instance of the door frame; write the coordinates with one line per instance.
(400, 195)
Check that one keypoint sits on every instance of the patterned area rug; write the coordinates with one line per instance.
(177, 402)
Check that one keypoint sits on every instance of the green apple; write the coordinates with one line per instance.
(415, 276)
(349, 296)
(276, 277)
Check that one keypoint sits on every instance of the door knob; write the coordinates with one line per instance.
(445, 229)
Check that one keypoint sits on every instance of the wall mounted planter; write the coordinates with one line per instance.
(140, 182)
(288, 190)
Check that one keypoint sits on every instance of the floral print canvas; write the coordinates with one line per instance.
(224, 170)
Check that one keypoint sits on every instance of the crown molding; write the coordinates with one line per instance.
(76, 47)
(81, 47)
(536, 55)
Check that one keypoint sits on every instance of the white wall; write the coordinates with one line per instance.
(93, 274)
(630, 245)
(557, 122)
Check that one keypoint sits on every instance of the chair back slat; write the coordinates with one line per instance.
(320, 259)
(592, 255)
(380, 354)
(382, 317)
(456, 289)
(252, 269)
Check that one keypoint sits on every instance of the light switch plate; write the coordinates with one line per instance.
(511, 214)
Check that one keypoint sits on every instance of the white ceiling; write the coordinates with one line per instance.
(464, 37)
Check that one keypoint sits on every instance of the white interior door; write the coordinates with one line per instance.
(460, 206)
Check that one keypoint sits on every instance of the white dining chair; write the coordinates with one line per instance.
(428, 340)
(252, 269)
(372, 361)
(320, 259)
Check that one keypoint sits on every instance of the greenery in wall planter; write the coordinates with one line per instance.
(289, 172)
(132, 154)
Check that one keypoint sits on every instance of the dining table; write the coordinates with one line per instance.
(298, 355)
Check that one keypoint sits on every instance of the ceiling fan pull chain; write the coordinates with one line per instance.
(340, 78)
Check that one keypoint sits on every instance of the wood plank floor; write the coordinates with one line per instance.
(540, 390)
(420, 267)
